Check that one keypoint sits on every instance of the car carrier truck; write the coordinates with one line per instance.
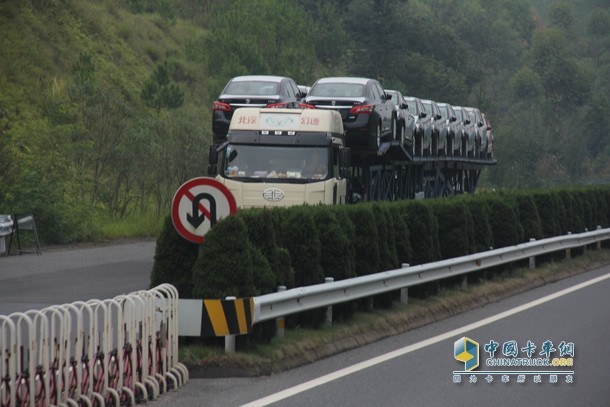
(284, 157)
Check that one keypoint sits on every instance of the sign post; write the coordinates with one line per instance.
(198, 204)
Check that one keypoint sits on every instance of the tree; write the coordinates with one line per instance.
(160, 91)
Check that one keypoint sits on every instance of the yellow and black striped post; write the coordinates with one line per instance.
(227, 317)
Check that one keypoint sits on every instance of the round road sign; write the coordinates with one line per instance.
(198, 204)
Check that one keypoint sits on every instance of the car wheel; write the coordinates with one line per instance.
(434, 146)
(449, 146)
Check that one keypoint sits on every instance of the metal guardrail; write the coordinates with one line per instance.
(100, 352)
(283, 303)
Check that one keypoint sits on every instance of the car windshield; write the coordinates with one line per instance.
(394, 96)
(263, 162)
(252, 88)
(336, 89)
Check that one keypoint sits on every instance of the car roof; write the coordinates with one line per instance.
(344, 79)
(268, 78)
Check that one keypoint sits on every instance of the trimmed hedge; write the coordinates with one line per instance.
(256, 250)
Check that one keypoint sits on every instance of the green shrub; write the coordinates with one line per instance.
(601, 212)
(226, 262)
(423, 231)
(482, 236)
(302, 242)
(547, 204)
(529, 217)
(365, 238)
(261, 233)
(504, 221)
(453, 226)
(385, 231)
(402, 239)
(336, 254)
(174, 259)
(572, 219)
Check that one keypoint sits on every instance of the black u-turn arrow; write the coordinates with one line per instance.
(197, 218)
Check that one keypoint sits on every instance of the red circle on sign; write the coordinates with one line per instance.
(186, 194)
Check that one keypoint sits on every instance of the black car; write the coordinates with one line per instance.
(421, 125)
(253, 91)
(367, 111)
(402, 118)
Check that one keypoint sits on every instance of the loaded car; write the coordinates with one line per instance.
(439, 130)
(402, 118)
(453, 129)
(368, 114)
(490, 137)
(422, 125)
(469, 133)
(481, 129)
(253, 91)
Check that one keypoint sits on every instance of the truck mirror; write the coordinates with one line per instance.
(212, 161)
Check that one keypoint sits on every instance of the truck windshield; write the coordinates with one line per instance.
(294, 163)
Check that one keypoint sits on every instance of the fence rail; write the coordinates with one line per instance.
(283, 303)
(95, 353)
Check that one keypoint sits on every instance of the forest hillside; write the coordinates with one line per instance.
(105, 105)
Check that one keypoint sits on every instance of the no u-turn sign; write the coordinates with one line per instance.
(198, 204)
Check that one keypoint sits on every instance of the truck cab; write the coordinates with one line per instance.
(283, 157)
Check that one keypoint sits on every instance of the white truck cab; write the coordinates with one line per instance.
(283, 157)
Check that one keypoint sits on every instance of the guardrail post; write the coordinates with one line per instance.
(568, 250)
(464, 284)
(584, 248)
(230, 339)
(533, 258)
(598, 244)
(404, 292)
(329, 309)
(280, 323)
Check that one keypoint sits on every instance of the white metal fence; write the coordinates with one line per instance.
(95, 353)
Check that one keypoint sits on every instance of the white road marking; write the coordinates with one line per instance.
(292, 391)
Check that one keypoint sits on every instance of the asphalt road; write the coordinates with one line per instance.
(412, 369)
(60, 276)
(417, 368)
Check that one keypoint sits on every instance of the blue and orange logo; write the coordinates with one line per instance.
(466, 350)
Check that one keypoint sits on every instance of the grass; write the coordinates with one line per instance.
(146, 225)
(303, 346)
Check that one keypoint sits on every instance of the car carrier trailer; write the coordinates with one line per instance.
(265, 156)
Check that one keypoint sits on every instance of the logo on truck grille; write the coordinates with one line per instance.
(273, 194)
